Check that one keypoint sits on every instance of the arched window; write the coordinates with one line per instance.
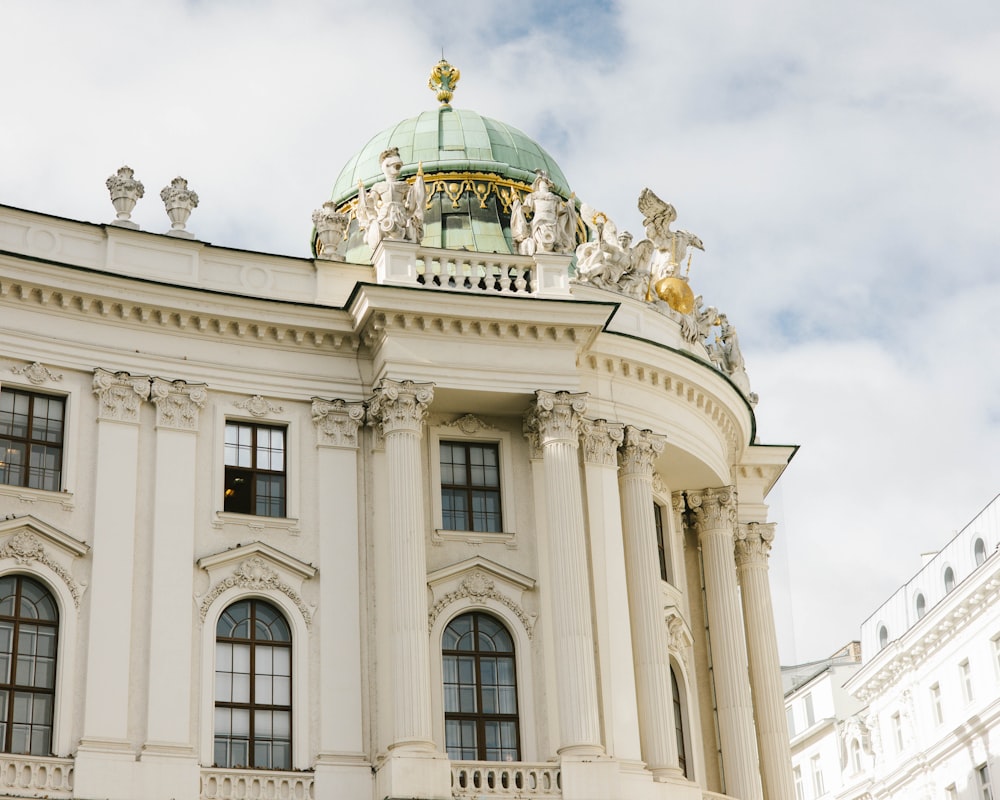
(678, 723)
(883, 636)
(855, 756)
(253, 687)
(480, 690)
(949, 579)
(29, 627)
(921, 605)
(979, 551)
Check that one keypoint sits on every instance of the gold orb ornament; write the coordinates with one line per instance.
(676, 293)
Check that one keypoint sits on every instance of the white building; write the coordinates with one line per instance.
(927, 722)
(422, 516)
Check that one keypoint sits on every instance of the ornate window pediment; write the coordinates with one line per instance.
(27, 540)
(478, 580)
(256, 566)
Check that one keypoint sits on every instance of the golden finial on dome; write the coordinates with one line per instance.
(444, 78)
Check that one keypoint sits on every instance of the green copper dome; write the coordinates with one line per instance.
(451, 140)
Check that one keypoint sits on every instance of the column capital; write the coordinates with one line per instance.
(753, 542)
(556, 417)
(677, 504)
(400, 405)
(601, 440)
(637, 454)
(713, 508)
(337, 422)
(178, 403)
(119, 394)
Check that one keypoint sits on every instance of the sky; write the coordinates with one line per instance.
(840, 161)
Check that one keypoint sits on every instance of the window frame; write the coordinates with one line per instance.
(251, 706)
(33, 394)
(937, 709)
(985, 782)
(816, 767)
(483, 434)
(253, 472)
(13, 686)
(662, 542)
(678, 698)
(467, 487)
(479, 717)
(965, 681)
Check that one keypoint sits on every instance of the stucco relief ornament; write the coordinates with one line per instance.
(25, 548)
(37, 373)
(552, 228)
(555, 416)
(478, 587)
(639, 451)
(331, 228)
(337, 421)
(713, 508)
(125, 190)
(601, 440)
(400, 406)
(120, 394)
(671, 247)
(609, 260)
(178, 403)
(256, 575)
(179, 202)
(257, 406)
(753, 542)
(469, 424)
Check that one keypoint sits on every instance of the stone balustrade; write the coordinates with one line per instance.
(238, 784)
(36, 776)
(500, 779)
(476, 272)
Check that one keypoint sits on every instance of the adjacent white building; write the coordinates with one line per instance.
(927, 693)
(429, 513)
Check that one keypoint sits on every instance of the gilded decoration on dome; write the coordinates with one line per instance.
(443, 80)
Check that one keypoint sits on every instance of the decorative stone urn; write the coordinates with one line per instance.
(179, 202)
(125, 191)
(330, 228)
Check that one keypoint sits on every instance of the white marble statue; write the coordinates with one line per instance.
(392, 208)
(697, 326)
(331, 225)
(609, 260)
(671, 246)
(552, 228)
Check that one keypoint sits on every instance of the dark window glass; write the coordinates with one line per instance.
(480, 690)
(883, 637)
(678, 724)
(949, 579)
(29, 628)
(255, 469)
(979, 551)
(253, 687)
(31, 439)
(470, 487)
(921, 606)
(661, 549)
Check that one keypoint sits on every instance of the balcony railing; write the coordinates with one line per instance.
(501, 779)
(36, 776)
(475, 272)
(255, 784)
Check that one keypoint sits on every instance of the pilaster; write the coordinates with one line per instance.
(554, 422)
(649, 636)
(753, 545)
(714, 512)
(610, 596)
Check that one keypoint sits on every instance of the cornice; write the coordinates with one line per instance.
(118, 300)
(678, 387)
(979, 594)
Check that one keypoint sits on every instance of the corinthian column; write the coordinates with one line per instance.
(649, 637)
(554, 421)
(753, 544)
(399, 409)
(715, 520)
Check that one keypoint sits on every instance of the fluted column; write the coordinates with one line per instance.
(554, 421)
(715, 519)
(607, 558)
(649, 637)
(753, 545)
(399, 409)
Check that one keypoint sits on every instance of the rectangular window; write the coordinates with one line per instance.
(983, 777)
(790, 718)
(797, 777)
(951, 792)
(810, 714)
(936, 711)
(817, 773)
(255, 469)
(470, 487)
(661, 548)
(996, 654)
(897, 731)
(965, 674)
(31, 439)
